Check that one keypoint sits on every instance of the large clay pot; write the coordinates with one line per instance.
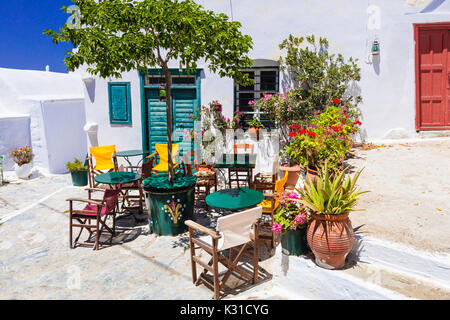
(331, 239)
(23, 171)
(293, 175)
(311, 174)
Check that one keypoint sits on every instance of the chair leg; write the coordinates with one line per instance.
(97, 236)
(216, 275)
(193, 264)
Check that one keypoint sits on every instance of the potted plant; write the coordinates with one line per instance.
(254, 129)
(290, 221)
(326, 139)
(78, 171)
(23, 161)
(330, 199)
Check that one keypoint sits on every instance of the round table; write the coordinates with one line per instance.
(114, 178)
(130, 153)
(234, 199)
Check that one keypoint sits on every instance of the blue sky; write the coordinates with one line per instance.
(22, 44)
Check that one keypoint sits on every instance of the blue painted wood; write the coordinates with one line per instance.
(119, 103)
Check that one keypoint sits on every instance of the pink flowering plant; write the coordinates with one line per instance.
(22, 155)
(291, 214)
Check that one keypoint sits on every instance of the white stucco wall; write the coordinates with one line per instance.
(387, 85)
(53, 104)
(14, 132)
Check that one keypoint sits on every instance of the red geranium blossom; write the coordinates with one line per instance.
(292, 134)
(336, 100)
(311, 134)
(303, 131)
(357, 122)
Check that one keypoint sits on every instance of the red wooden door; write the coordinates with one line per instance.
(432, 76)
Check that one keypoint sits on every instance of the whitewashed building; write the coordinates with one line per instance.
(402, 91)
(44, 110)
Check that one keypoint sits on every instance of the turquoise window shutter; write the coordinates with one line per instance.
(119, 102)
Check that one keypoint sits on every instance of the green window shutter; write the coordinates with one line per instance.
(119, 102)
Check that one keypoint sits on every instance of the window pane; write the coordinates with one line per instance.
(269, 80)
(183, 80)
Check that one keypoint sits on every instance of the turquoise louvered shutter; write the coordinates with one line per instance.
(119, 103)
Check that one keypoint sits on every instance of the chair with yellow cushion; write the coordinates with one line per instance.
(161, 153)
(105, 161)
(270, 205)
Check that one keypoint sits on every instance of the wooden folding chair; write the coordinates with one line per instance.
(105, 161)
(207, 176)
(97, 210)
(241, 176)
(269, 205)
(160, 158)
(237, 233)
(132, 192)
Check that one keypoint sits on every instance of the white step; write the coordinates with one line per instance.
(375, 270)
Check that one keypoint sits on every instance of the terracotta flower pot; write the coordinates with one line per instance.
(253, 132)
(331, 239)
(293, 175)
(311, 174)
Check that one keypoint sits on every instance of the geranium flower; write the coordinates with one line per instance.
(292, 134)
(357, 122)
(251, 102)
(300, 219)
(277, 228)
(293, 195)
(311, 134)
(303, 131)
(336, 100)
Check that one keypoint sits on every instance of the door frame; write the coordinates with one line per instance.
(417, 28)
(144, 108)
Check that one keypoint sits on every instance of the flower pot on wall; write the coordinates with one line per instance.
(254, 133)
(23, 171)
(294, 242)
(293, 175)
(331, 239)
(79, 178)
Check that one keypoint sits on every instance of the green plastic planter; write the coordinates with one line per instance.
(79, 178)
(294, 242)
(169, 206)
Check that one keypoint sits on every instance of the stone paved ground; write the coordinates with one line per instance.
(37, 263)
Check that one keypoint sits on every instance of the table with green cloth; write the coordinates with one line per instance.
(114, 178)
(237, 161)
(127, 154)
(234, 199)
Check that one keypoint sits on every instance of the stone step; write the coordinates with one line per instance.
(375, 269)
(401, 268)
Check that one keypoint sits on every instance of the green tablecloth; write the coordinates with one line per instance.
(236, 161)
(116, 177)
(129, 153)
(234, 199)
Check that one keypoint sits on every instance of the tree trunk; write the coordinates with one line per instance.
(168, 78)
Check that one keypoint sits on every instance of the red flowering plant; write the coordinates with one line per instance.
(326, 138)
(291, 214)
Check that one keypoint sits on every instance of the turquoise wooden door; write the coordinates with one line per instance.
(184, 104)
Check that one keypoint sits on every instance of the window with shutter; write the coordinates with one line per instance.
(119, 102)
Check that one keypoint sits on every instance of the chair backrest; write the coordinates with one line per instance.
(279, 184)
(110, 198)
(236, 228)
(163, 153)
(103, 157)
(146, 170)
(191, 166)
(248, 148)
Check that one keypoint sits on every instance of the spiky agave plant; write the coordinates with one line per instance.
(331, 194)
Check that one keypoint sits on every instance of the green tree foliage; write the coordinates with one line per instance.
(321, 76)
(122, 35)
